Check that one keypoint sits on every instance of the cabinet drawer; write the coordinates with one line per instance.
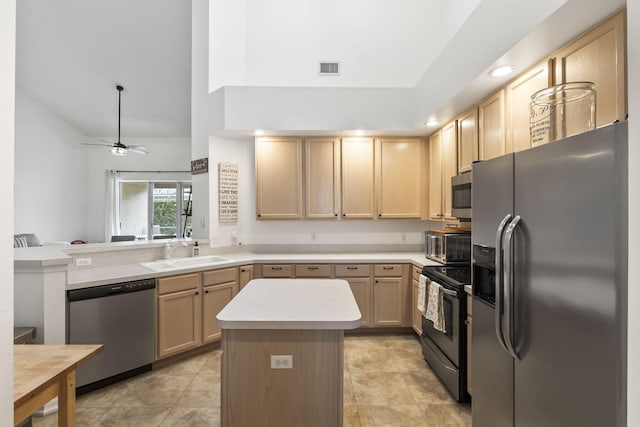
(469, 304)
(216, 277)
(416, 273)
(313, 270)
(353, 270)
(389, 270)
(276, 270)
(183, 282)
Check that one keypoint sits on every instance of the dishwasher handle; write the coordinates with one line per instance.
(110, 290)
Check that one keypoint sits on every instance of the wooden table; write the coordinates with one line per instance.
(42, 372)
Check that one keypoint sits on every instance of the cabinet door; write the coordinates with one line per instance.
(357, 178)
(449, 166)
(277, 271)
(246, 275)
(467, 140)
(387, 301)
(518, 97)
(214, 299)
(320, 271)
(322, 173)
(278, 178)
(416, 315)
(179, 322)
(398, 177)
(361, 289)
(598, 57)
(491, 139)
(435, 176)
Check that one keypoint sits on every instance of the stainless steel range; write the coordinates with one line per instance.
(446, 352)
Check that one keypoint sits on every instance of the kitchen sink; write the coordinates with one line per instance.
(177, 263)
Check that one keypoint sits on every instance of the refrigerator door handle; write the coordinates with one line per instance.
(499, 290)
(508, 287)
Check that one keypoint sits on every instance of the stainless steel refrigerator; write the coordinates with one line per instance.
(549, 281)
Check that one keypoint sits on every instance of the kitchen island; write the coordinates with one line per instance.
(282, 362)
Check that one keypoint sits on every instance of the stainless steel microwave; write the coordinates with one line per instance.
(448, 246)
(461, 195)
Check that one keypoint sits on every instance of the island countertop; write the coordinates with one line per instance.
(292, 304)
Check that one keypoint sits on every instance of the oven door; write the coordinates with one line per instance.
(449, 341)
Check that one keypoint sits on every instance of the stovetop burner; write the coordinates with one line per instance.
(455, 275)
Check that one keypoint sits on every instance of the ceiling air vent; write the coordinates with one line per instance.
(329, 68)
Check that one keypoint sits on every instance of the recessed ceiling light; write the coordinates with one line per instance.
(258, 133)
(502, 71)
(432, 122)
(359, 132)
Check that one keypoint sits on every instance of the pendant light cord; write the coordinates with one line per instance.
(120, 88)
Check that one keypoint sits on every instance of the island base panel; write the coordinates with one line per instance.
(308, 394)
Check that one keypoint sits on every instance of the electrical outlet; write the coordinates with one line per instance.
(82, 262)
(279, 361)
(313, 236)
(404, 237)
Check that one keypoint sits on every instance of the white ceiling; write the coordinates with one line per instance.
(71, 54)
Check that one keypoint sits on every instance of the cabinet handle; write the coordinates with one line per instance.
(387, 268)
(344, 214)
(335, 214)
(312, 268)
(242, 270)
(259, 215)
(197, 293)
(377, 281)
(276, 268)
(206, 292)
(352, 268)
(379, 215)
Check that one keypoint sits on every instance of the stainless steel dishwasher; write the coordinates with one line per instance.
(119, 316)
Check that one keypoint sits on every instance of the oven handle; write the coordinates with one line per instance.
(499, 285)
(508, 281)
(449, 292)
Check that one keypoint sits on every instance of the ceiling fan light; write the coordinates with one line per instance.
(118, 151)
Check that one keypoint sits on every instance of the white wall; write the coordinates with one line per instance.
(7, 124)
(633, 341)
(50, 174)
(279, 43)
(165, 154)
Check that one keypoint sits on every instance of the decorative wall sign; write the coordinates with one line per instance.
(199, 166)
(227, 192)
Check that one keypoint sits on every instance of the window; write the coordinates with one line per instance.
(153, 209)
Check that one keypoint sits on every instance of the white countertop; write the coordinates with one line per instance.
(82, 278)
(292, 304)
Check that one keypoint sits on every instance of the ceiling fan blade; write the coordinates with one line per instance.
(100, 145)
(108, 142)
(138, 149)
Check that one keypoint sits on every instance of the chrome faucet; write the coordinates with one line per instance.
(169, 248)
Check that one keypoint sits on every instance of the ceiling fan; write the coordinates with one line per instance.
(118, 148)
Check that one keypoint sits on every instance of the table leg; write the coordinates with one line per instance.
(67, 400)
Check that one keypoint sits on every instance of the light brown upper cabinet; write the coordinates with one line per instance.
(467, 139)
(491, 142)
(443, 165)
(435, 176)
(322, 177)
(598, 57)
(449, 166)
(398, 177)
(278, 178)
(518, 97)
(358, 191)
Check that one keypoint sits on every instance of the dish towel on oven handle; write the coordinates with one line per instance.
(422, 294)
(435, 310)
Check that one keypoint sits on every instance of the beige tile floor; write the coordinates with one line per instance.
(386, 383)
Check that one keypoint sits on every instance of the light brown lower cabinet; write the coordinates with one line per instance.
(388, 295)
(187, 308)
(359, 278)
(179, 325)
(416, 315)
(246, 275)
(219, 287)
